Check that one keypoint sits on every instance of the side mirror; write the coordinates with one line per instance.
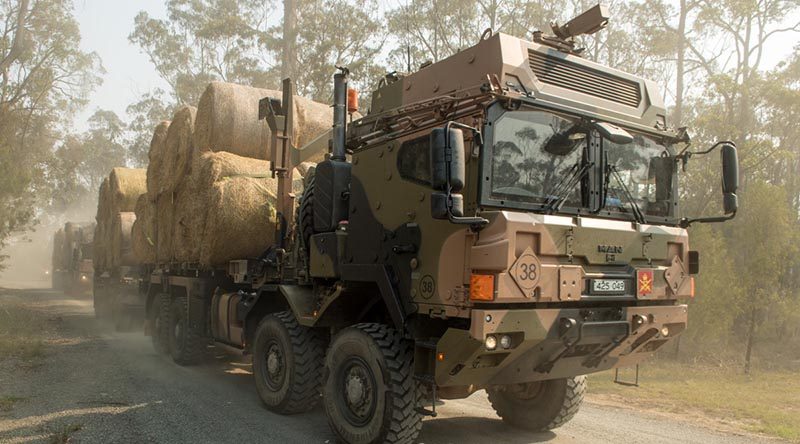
(730, 181)
(447, 153)
(448, 174)
(730, 178)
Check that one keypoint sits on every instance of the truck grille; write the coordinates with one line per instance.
(565, 74)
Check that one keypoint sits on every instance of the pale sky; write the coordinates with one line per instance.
(106, 24)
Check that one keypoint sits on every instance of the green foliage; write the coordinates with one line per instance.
(145, 114)
(44, 79)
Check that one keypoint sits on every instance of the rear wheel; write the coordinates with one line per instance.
(370, 394)
(185, 345)
(541, 405)
(287, 364)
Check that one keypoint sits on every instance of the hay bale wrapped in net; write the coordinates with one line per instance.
(121, 245)
(125, 186)
(192, 198)
(155, 158)
(179, 151)
(143, 236)
(227, 120)
(240, 221)
(212, 204)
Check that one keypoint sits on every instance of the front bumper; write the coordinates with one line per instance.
(553, 343)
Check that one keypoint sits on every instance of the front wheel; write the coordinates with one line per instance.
(541, 405)
(287, 364)
(371, 395)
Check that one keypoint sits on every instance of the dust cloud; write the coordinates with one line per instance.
(29, 254)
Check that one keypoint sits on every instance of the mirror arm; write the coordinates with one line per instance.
(475, 222)
(686, 222)
(686, 154)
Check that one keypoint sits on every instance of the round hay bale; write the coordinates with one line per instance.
(189, 218)
(143, 231)
(214, 166)
(227, 120)
(241, 220)
(156, 158)
(125, 186)
(164, 228)
(179, 150)
(121, 240)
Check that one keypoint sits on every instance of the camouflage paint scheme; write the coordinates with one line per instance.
(558, 328)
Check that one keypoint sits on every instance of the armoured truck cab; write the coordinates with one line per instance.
(505, 219)
(521, 204)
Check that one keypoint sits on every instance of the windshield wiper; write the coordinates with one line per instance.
(568, 182)
(635, 209)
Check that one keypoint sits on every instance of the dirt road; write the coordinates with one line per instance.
(93, 385)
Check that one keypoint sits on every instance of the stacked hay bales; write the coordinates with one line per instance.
(117, 200)
(210, 194)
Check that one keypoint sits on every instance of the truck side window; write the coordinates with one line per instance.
(413, 160)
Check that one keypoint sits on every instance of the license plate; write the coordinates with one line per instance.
(608, 286)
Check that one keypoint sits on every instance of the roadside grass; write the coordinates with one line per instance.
(766, 402)
(21, 333)
(64, 435)
(7, 402)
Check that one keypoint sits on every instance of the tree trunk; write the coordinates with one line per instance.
(680, 69)
(751, 333)
(289, 56)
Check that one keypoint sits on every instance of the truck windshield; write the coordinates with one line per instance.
(539, 158)
(533, 152)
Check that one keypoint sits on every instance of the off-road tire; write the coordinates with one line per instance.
(185, 347)
(389, 358)
(555, 403)
(159, 319)
(295, 385)
(306, 210)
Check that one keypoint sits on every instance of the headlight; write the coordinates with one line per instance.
(490, 343)
(505, 341)
(83, 277)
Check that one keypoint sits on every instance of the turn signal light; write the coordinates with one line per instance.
(352, 100)
(481, 287)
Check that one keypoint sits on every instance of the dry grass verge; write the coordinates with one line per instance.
(21, 333)
(767, 402)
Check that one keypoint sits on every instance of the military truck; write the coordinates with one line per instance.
(506, 219)
(71, 268)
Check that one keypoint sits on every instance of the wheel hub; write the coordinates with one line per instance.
(273, 361)
(358, 395)
(275, 364)
(355, 390)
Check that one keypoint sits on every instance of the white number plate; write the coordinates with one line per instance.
(608, 286)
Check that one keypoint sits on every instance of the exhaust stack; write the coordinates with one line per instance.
(339, 114)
